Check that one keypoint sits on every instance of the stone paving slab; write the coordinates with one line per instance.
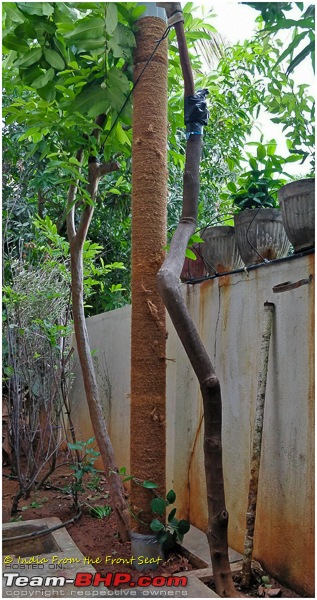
(196, 542)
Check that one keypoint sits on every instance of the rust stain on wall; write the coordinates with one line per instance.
(224, 300)
(204, 292)
(277, 557)
(198, 511)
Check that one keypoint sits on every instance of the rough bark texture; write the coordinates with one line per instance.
(76, 240)
(168, 282)
(148, 330)
(257, 442)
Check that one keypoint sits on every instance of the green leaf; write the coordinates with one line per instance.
(260, 152)
(171, 515)
(29, 58)
(111, 17)
(149, 485)
(291, 47)
(294, 158)
(230, 164)
(300, 57)
(232, 187)
(54, 59)
(43, 80)
(271, 147)
(99, 512)
(87, 29)
(117, 79)
(190, 254)
(13, 43)
(36, 8)
(171, 497)
(90, 96)
(75, 446)
(174, 522)
(183, 526)
(137, 11)
(163, 536)
(158, 506)
(156, 525)
(253, 163)
(90, 441)
(13, 12)
(30, 74)
(195, 239)
(123, 139)
(29, 133)
(117, 86)
(121, 42)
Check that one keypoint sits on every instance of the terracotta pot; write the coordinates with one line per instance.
(260, 235)
(220, 249)
(297, 202)
(194, 269)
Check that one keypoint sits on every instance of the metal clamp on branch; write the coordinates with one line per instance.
(173, 11)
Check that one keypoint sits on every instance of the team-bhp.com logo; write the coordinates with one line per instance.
(94, 579)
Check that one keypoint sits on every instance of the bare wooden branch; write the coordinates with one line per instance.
(71, 199)
(257, 442)
(169, 288)
(76, 240)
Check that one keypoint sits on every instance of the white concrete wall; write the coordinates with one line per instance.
(228, 314)
(109, 335)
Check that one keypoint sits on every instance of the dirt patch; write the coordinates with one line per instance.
(96, 538)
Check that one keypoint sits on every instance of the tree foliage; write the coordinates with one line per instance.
(57, 79)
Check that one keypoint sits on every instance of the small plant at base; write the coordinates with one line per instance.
(265, 582)
(94, 483)
(83, 466)
(99, 512)
(175, 529)
(35, 504)
(16, 519)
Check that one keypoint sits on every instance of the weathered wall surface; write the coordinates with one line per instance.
(228, 313)
(109, 335)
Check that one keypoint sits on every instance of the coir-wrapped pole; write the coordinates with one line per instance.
(148, 337)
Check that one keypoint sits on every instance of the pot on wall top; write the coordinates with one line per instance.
(194, 269)
(260, 235)
(220, 250)
(297, 202)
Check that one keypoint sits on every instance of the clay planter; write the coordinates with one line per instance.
(260, 235)
(220, 250)
(297, 203)
(194, 269)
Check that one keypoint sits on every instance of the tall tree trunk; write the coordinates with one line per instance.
(148, 330)
(168, 282)
(76, 240)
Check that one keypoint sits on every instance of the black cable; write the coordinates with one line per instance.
(165, 34)
(36, 534)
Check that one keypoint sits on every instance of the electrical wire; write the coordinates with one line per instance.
(36, 534)
(165, 34)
